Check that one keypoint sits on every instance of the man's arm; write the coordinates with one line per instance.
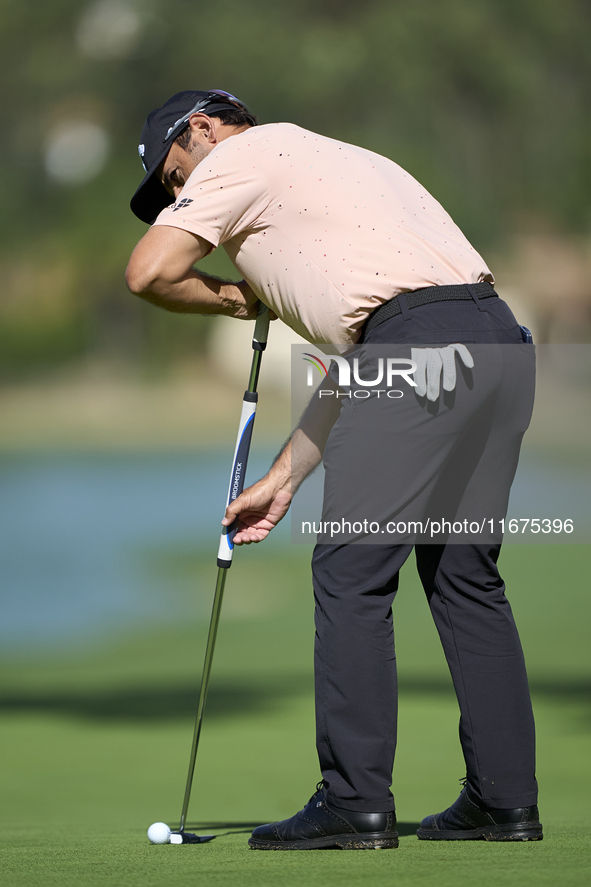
(260, 507)
(161, 271)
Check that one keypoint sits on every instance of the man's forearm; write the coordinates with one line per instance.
(198, 293)
(299, 457)
(161, 270)
(304, 450)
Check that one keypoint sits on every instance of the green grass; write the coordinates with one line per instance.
(95, 741)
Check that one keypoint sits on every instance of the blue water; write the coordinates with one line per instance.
(77, 530)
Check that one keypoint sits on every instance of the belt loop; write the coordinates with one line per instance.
(470, 289)
(406, 315)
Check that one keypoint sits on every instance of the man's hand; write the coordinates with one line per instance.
(258, 509)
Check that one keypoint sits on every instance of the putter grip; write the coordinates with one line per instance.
(239, 463)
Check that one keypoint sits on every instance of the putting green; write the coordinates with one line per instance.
(95, 742)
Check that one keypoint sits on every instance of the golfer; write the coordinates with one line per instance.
(346, 247)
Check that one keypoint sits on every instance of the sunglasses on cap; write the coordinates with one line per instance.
(214, 96)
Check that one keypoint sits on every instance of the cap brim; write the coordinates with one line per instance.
(151, 197)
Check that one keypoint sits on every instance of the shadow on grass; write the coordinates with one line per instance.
(226, 828)
(407, 828)
(162, 703)
(236, 828)
(229, 699)
(240, 826)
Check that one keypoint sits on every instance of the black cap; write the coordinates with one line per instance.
(160, 130)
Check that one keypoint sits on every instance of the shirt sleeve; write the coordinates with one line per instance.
(225, 194)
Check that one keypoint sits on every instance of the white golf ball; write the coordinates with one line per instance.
(159, 833)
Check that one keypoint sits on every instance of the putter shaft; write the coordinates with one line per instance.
(226, 542)
(209, 650)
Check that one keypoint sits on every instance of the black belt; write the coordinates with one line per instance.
(426, 296)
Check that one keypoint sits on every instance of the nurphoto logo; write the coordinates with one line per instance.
(385, 372)
(313, 362)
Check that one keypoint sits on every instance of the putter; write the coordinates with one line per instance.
(225, 552)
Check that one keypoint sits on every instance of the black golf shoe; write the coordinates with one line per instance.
(471, 820)
(321, 826)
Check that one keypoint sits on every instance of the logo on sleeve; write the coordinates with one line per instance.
(182, 203)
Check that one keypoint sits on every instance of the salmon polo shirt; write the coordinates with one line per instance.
(322, 231)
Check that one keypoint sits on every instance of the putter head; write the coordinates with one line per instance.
(189, 838)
